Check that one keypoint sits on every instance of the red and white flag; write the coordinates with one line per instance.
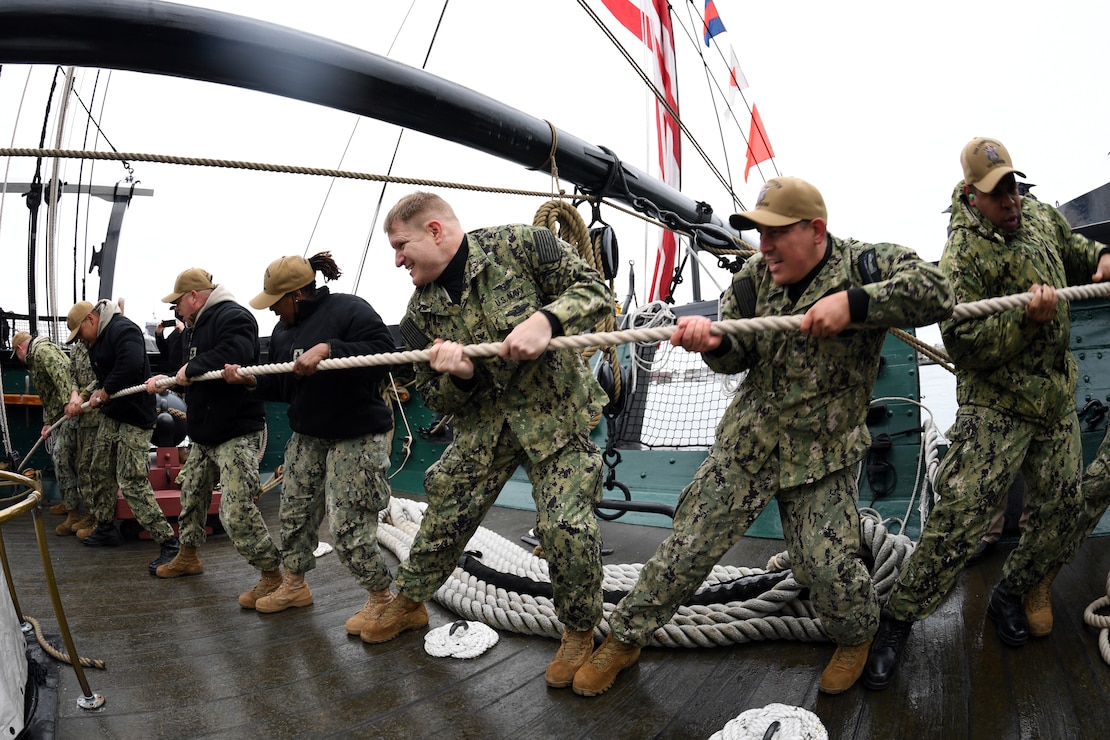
(652, 26)
(736, 79)
(759, 146)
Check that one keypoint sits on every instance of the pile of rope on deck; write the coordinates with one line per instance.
(509, 588)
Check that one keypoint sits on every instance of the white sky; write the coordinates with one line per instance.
(870, 101)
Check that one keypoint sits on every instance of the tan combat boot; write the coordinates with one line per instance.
(293, 591)
(1038, 606)
(600, 671)
(184, 563)
(267, 584)
(845, 668)
(66, 527)
(83, 532)
(399, 615)
(378, 601)
(59, 508)
(86, 522)
(574, 650)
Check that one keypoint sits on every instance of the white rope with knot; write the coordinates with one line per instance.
(460, 639)
(778, 613)
(791, 723)
(975, 309)
(1100, 621)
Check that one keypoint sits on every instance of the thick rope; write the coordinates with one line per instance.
(975, 309)
(1101, 622)
(55, 652)
(774, 722)
(778, 613)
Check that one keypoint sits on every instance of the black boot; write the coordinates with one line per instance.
(168, 553)
(106, 534)
(1008, 613)
(886, 652)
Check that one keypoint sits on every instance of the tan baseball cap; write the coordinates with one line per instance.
(782, 201)
(283, 276)
(19, 338)
(192, 279)
(76, 315)
(985, 162)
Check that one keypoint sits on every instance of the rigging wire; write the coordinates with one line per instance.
(397, 144)
(661, 98)
(81, 179)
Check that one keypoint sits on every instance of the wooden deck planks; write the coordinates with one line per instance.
(185, 661)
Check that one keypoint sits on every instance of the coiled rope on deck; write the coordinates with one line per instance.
(1100, 621)
(778, 613)
(55, 652)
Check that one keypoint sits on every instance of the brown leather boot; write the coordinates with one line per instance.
(1038, 606)
(378, 600)
(267, 584)
(574, 650)
(293, 591)
(86, 522)
(399, 615)
(66, 527)
(59, 508)
(83, 532)
(845, 668)
(184, 563)
(600, 671)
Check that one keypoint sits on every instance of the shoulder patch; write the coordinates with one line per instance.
(743, 291)
(412, 336)
(868, 267)
(547, 246)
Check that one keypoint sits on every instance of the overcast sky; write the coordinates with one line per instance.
(870, 101)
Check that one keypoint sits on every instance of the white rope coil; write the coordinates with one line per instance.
(460, 639)
(778, 613)
(794, 723)
(1100, 621)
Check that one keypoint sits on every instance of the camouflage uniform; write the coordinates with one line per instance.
(121, 449)
(50, 373)
(338, 454)
(351, 474)
(794, 432)
(536, 414)
(225, 423)
(1096, 496)
(1015, 383)
(88, 423)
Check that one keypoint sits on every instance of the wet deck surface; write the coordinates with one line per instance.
(185, 661)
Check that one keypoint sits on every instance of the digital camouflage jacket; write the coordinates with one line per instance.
(807, 398)
(1006, 361)
(51, 375)
(511, 272)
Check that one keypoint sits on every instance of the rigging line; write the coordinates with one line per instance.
(96, 142)
(658, 95)
(710, 82)
(397, 143)
(52, 207)
(343, 157)
(728, 63)
(15, 127)
(80, 179)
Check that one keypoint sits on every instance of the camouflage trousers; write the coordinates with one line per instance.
(820, 523)
(348, 477)
(1096, 498)
(233, 465)
(121, 463)
(988, 448)
(462, 486)
(88, 427)
(63, 452)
